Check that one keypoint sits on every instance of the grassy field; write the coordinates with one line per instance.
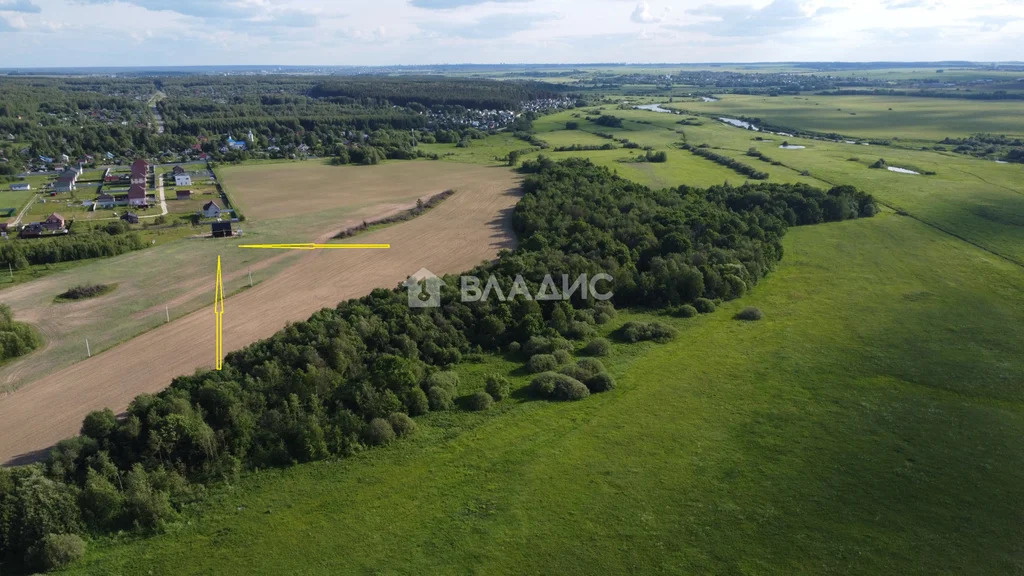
(906, 118)
(868, 425)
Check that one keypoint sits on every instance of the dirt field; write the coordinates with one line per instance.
(270, 191)
(464, 230)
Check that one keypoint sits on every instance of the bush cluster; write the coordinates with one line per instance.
(735, 165)
(642, 331)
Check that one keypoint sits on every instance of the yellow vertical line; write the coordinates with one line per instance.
(218, 299)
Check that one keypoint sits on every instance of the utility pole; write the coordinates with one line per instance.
(250, 277)
(168, 312)
(87, 350)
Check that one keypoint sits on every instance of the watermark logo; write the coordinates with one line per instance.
(424, 289)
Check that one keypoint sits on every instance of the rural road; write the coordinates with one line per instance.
(470, 227)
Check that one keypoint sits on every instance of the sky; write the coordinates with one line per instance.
(62, 33)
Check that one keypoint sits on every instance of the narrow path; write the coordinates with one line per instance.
(21, 215)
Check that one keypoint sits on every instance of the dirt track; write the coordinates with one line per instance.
(466, 229)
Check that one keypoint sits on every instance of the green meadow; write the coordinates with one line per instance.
(869, 424)
(905, 118)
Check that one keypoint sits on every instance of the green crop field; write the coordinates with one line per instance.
(870, 424)
(906, 118)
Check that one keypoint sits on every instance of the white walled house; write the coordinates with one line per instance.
(211, 210)
(182, 180)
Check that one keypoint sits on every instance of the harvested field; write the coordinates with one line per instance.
(469, 227)
(269, 191)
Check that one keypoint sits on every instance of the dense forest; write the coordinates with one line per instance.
(435, 91)
(351, 377)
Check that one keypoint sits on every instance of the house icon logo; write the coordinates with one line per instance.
(424, 289)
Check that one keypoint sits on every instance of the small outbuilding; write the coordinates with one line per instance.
(221, 229)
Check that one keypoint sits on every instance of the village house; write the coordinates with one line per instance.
(137, 195)
(183, 194)
(140, 171)
(66, 182)
(104, 201)
(53, 222)
(182, 180)
(20, 186)
(178, 170)
(211, 210)
(130, 217)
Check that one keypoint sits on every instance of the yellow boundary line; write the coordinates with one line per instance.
(218, 298)
(311, 246)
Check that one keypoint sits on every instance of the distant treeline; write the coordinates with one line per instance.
(737, 166)
(93, 244)
(351, 376)
(433, 91)
(956, 95)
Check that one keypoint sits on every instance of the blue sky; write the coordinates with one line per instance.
(380, 32)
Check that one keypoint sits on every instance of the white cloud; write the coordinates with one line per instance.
(182, 32)
(643, 15)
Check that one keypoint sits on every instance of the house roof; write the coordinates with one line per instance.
(137, 191)
(184, 192)
(209, 204)
(140, 164)
(55, 216)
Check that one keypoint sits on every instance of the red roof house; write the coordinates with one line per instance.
(137, 195)
(54, 222)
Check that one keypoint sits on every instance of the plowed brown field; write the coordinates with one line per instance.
(466, 229)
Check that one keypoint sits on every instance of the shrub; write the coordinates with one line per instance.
(590, 366)
(598, 347)
(750, 314)
(639, 332)
(60, 550)
(401, 424)
(514, 347)
(562, 357)
(498, 387)
(537, 345)
(578, 330)
(574, 371)
(686, 311)
(567, 388)
(480, 401)
(416, 402)
(543, 385)
(84, 291)
(439, 399)
(704, 306)
(558, 387)
(601, 382)
(542, 363)
(379, 432)
(448, 381)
